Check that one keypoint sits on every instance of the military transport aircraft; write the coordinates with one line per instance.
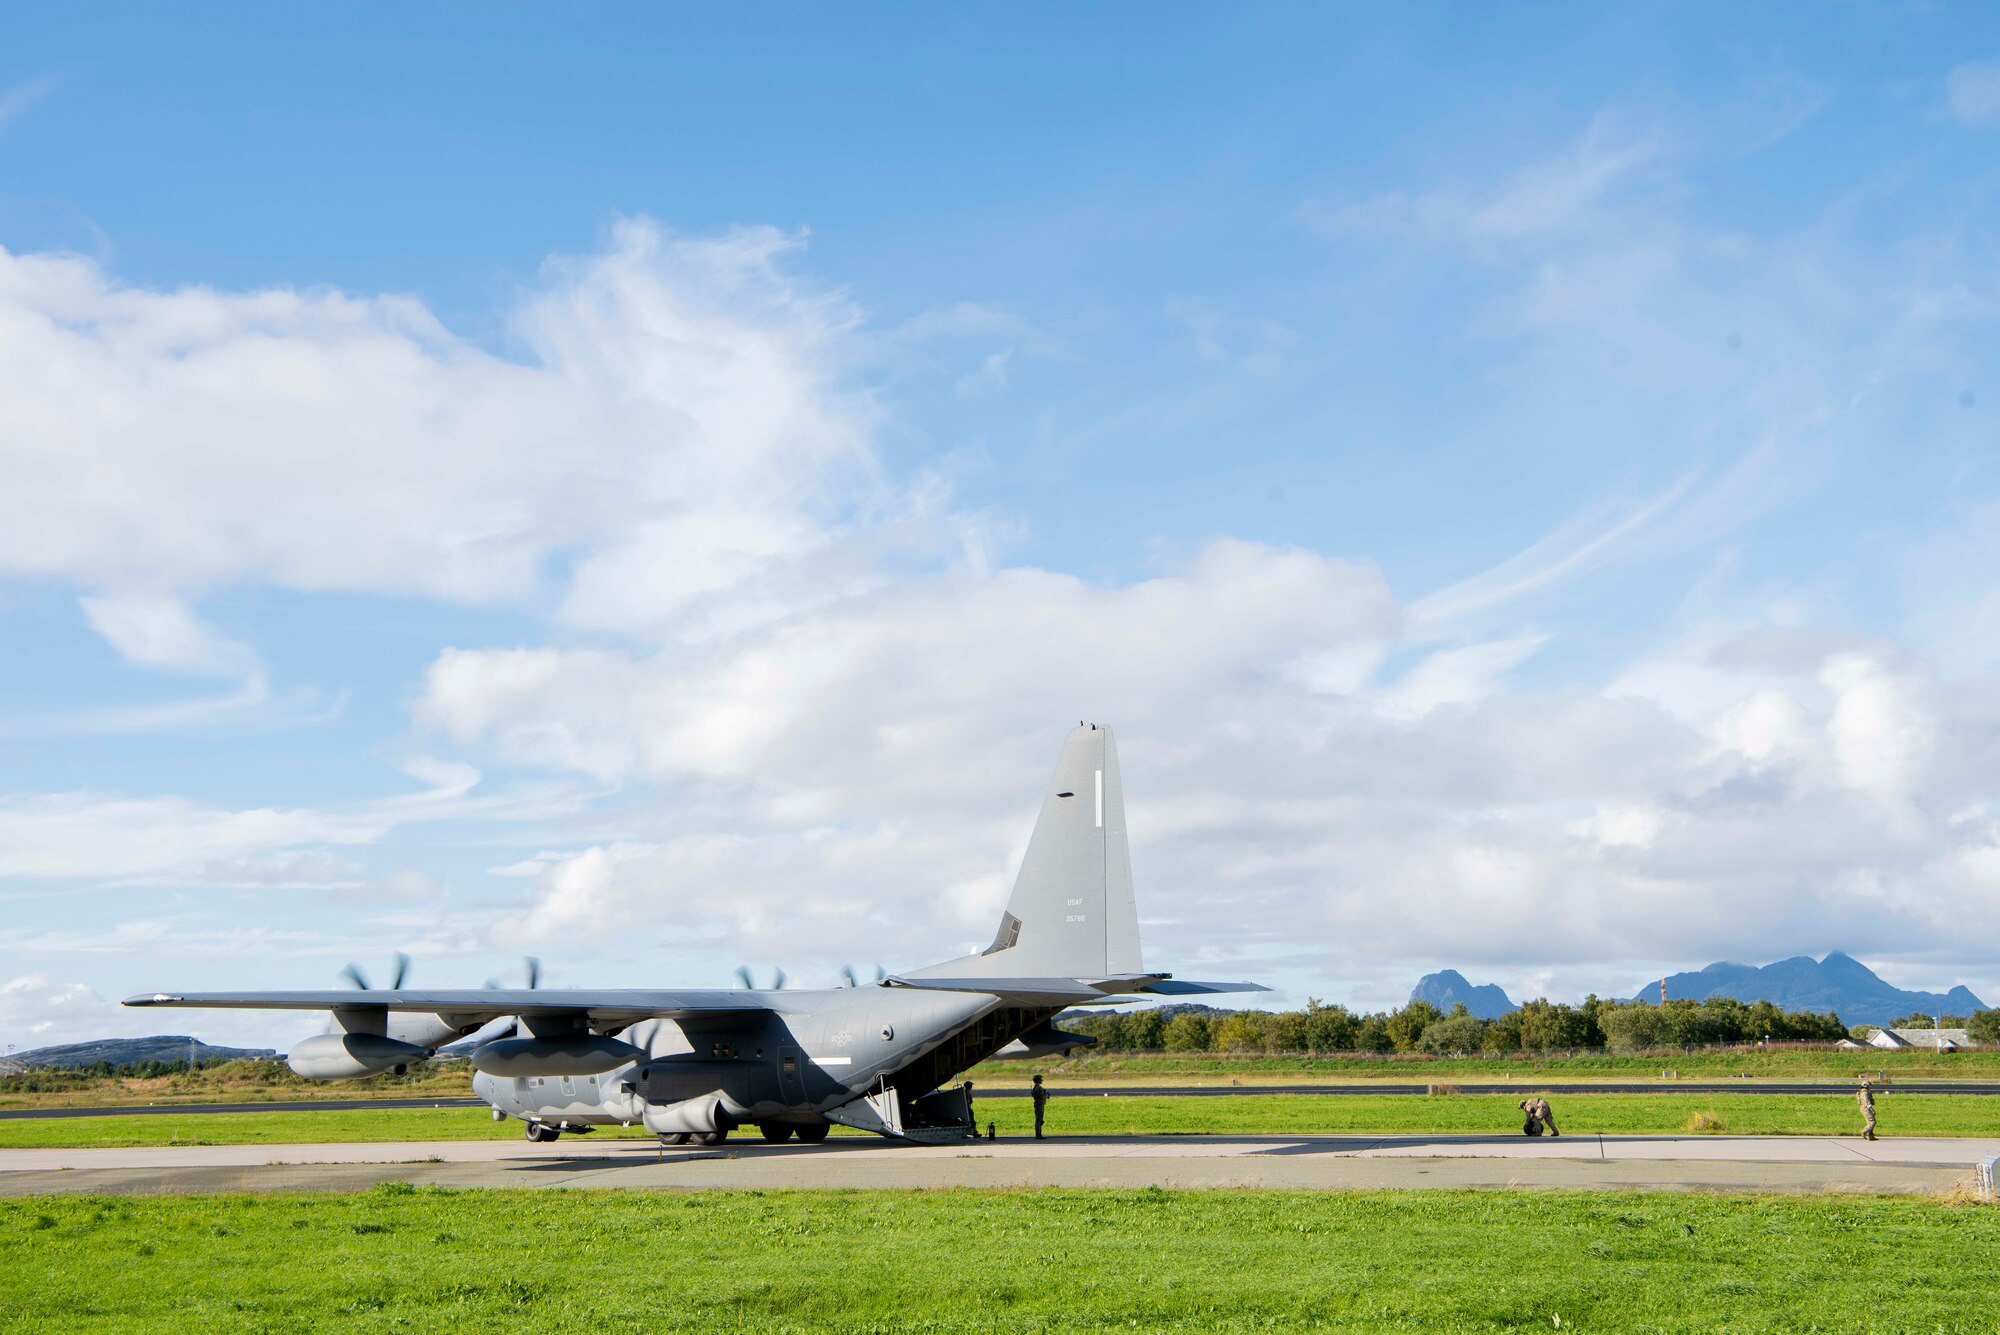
(697, 1064)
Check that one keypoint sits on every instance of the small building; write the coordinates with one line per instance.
(1941, 1040)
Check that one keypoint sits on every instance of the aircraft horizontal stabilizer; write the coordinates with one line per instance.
(1188, 987)
(1034, 991)
(1072, 991)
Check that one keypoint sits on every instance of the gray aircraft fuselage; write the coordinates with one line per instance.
(791, 1068)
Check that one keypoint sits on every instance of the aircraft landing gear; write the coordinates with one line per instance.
(710, 1138)
(776, 1132)
(540, 1133)
(813, 1134)
(674, 1138)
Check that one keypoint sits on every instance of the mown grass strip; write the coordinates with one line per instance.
(1047, 1260)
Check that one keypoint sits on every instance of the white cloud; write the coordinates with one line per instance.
(1974, 92)
(871, 767)
(1459, 675)
(160, 632)
(37, 1011)
(1569, 190)
(878, 687)
(174, 840)
(88, 835)
(681, 427)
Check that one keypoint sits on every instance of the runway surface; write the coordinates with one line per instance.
(1716, 1163)
(1120, 1091)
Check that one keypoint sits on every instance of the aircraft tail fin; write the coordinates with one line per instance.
(1072, 913)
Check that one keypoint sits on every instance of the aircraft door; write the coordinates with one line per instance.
(791, 1074)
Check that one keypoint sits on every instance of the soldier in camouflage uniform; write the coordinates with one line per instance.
(1865, 1096)
(1539, 1115)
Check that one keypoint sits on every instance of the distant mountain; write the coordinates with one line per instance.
(120, 1051)
(1447, 988)
(1838, 983)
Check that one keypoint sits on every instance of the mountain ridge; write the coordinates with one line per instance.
(1837, 982)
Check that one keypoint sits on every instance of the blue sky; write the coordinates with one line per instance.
(649, 488)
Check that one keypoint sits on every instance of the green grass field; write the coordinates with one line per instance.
(1816, 1114)
(251, 1081)
(402, 1258)
(1773, 1063)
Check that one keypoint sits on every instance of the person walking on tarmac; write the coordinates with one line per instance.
(1865, 1096)
(1040, 1095)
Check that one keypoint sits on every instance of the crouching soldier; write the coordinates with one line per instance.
(1539, 1115)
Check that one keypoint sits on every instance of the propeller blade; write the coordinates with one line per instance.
(402, 971)
(534, 973)
(743, 978)
(880, 973)
(778, 981)
(847, 972)
(352, 973)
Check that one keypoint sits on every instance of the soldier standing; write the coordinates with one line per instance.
(971, 1122)
(1865, 1096)
(1040, 1095)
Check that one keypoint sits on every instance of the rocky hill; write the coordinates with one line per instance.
(1447, 988)
(121, 1051)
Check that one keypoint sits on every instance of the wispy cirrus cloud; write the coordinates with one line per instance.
(1973, 92)
(18, 100)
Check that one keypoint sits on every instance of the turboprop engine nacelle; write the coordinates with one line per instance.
(709, 1112)
(352, 1056)
(577, 1054)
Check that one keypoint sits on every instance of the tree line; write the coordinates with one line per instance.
(1536, 1026)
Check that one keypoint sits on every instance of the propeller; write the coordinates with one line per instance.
(847, 972)
(506, 1026)
(533, 969)
(352, 973)
(744, 980)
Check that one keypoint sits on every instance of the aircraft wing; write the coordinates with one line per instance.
(605, 1008)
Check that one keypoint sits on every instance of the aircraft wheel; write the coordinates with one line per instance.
(776, 1132)
(814, 1134)
(674, 1138)
(710, 1137)
(540, 1134)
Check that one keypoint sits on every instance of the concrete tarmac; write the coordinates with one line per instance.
(1701, 1163)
